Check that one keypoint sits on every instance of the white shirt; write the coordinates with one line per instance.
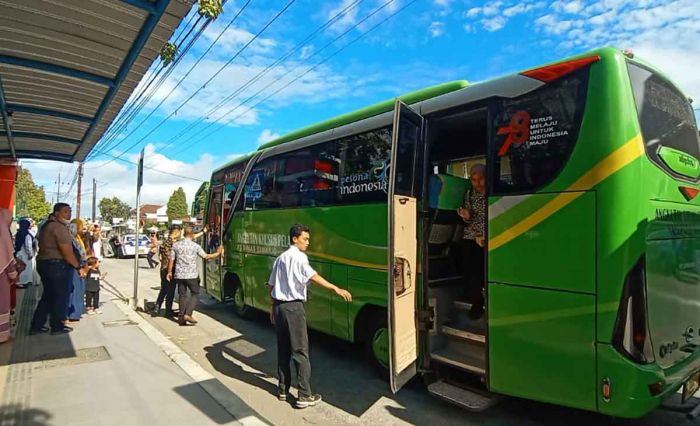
(290, 275)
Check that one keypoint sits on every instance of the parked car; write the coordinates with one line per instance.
(129, 245)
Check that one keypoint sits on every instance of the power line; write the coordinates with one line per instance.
(270, 67)
(118, 158)
(280, 13)
(326, 59)
(187, 73)
(135, 106)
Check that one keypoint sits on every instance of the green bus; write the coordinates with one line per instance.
(592, 255)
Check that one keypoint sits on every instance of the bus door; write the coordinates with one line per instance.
(214, 221)
(405, 185)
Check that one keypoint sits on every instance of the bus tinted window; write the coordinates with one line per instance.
(345, 171)
(665, 116)
(536, 132)
(364, 167)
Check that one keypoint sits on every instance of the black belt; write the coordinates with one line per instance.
(52, 260)
(282, 302)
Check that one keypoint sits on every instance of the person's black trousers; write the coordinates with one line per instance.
(187, 302)
(56, 277)
(92, 299)
(474, 257)
(167, 291)
(292, 345)
(151, 261)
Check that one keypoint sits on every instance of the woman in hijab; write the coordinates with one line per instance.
(8, 273)
(24, 250)
(474, 215)
(76, 302)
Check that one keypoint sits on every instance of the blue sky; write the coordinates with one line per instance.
(425, 43)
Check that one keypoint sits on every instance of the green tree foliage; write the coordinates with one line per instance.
(31, 199)
(177, 204)
(113, 207)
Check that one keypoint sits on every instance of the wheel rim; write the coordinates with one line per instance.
(380, 347)
(238, 299)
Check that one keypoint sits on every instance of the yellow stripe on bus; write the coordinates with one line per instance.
(347, 261)
(621, 157)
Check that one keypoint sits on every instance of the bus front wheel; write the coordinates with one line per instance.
(376, 342)
(239, 305)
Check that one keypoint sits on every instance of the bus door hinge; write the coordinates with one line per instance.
(425, 319)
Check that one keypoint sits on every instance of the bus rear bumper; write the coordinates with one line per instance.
(636, 390)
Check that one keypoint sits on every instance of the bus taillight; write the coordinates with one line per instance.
(631, 334)
(550, 73)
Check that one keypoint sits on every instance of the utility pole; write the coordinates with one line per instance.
(94, 198)
(58, 188)
(80, 188)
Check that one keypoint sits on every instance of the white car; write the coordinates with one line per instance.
(129, 246)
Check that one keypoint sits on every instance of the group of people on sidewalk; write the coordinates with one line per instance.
(69, 272)
(178, 268)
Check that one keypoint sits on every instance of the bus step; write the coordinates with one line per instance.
(463, 334)
(460, 359)
(469, 399)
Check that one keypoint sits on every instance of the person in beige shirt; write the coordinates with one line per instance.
(55, 263)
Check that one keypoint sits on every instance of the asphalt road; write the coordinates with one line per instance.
(242, 355)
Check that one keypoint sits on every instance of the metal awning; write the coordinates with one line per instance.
(68, 66)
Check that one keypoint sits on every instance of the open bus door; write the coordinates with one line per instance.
(214, 221)
(405, 185)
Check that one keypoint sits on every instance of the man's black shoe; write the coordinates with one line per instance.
(170, 314)
(62, 330)
(38, 330)
(308, 400)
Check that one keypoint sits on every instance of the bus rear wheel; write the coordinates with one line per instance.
(239, 305)
(376, 342)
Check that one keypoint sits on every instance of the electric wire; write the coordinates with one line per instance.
(262, 73)
(255, 37)
(326, 59)
(125, 118)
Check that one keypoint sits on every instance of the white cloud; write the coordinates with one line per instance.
(266, 136)
(118, 179)
(474, 11)
(306, 51)
(436, 29)
(493, 24)
(347, 20)
(442, 3)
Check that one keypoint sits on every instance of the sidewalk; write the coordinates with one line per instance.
(106, 372)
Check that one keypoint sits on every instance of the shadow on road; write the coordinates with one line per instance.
(347, 382)
(16, 415)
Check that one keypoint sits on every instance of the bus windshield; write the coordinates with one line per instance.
(665, 116)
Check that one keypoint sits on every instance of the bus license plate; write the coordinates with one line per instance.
(691, 386)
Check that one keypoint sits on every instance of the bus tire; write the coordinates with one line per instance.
(376, 342)
(239, 306)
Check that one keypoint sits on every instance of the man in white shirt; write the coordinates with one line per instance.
(291, 274)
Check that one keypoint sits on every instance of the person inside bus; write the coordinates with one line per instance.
(474, 215)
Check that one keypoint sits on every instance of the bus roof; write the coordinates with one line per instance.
(351, 117)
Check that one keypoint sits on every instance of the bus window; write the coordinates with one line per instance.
(665, 116)
(536, 132)
(364, 167)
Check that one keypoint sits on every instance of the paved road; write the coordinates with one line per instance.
(241, 354)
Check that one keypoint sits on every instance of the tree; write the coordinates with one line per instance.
(31, 198)
(113, 207)
(177, 205)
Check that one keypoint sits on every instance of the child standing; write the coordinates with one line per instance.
(92, 286)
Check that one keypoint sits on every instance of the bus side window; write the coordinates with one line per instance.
(536, 133)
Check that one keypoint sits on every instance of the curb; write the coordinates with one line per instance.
(243, 414)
